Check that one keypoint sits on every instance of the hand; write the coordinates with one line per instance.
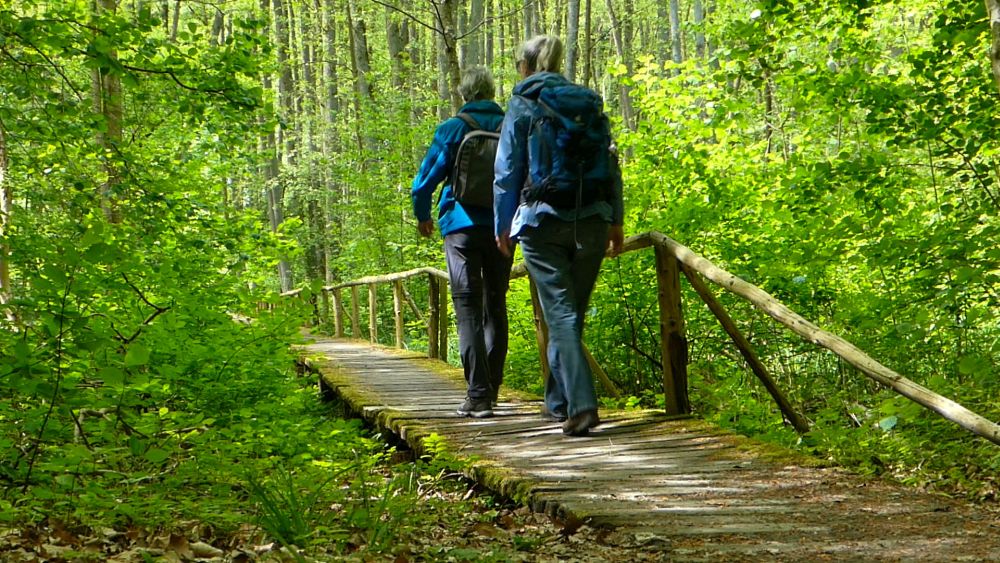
(505, 244)
(616, 240)
(425, 228)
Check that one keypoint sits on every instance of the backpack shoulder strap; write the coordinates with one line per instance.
(468, 119)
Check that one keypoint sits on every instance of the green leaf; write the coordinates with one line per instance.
(137, 355)
(888, 423)
(111, 376)
(157, 455)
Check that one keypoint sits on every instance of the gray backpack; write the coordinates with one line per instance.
(472, 176)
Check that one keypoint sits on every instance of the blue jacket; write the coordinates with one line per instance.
(511, 168)
(438, 163)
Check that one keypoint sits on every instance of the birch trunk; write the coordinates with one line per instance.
(675, 32)
(993, 12)
(6, 208)
(623, 57)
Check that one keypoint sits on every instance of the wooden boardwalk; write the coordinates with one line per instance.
(677, 486)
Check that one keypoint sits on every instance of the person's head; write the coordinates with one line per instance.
(477, 84)
(541, 53)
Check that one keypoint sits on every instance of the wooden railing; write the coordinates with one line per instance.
(672, 260)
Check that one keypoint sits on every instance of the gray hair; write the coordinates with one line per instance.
(477, 84)
(541, 53)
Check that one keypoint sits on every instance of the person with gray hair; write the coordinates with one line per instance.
(557, 192)
(479, 274)
(476, 84)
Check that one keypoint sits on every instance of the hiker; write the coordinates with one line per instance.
(564, 206)
(478, 272)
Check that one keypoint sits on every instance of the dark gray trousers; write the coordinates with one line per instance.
(480, 276)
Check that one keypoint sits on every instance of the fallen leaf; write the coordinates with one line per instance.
(204, 550)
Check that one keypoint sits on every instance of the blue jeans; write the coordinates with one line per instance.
(563, 260)
(479, 275)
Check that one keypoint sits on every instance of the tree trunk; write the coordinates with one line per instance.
(675, 32)
(396, 46)
(176, 22)
(477, 33)
(330, 92)
(993, 11)
(449, 74)
(361, 87)
(6, 208)
(699, 34)
(218, 24)
(623, 57)
(283, 142)
(359, 51)
(588, 39)
(107, 101)
(572, 36)
(662, 32)
(530, 19)
(489, 36)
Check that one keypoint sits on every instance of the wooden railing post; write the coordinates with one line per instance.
(372, 313)
(324, 313)
(433, 304)
(397, 310)
(743, 345)
(673, 342)
(541, 330)
(443, 321)
(355, 316)
(338, 314)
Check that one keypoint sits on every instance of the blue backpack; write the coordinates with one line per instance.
(569, 148)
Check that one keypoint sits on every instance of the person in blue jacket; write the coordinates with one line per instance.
(562, 247)
(479, 273)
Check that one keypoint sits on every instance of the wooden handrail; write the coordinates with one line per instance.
(850, 353)
(672, 330)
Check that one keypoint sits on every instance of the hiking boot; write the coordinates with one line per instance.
(476, 408)
(581, 423)
(552, 416)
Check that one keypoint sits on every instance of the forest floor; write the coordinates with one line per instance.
(424, 509)
(483, 531)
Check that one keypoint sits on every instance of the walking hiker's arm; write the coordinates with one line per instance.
(511, 166)
(616, 234)
(433, 170)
